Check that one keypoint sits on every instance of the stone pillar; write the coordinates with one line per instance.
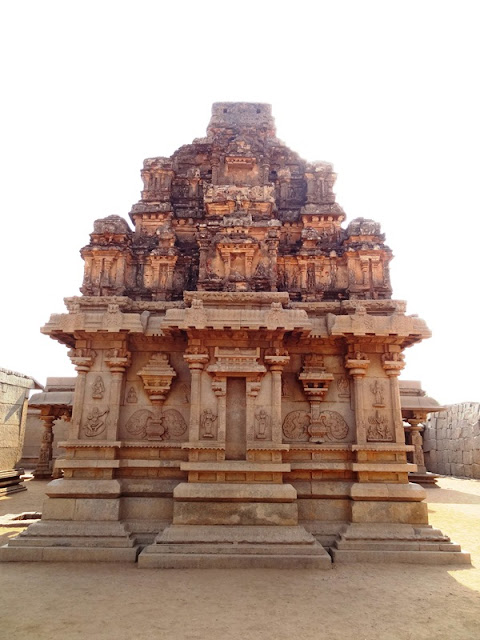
(44, 464)
(357, 366)
(276, 364)
(393, 364)
(83, 359)
(117, 360)
(196, 363)
(415, 429)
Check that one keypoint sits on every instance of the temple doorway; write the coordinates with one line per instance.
(236, 419)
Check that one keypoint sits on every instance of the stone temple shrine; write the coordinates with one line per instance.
(237, 401)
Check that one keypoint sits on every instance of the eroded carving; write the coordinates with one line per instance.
(132, 396)
(98, 388)
(378, 391)
(343, 387)
(334, 423)
(168, 425)
(208, 421)
(379, 428)
(96, 422)
(295, 425)
(262, 423)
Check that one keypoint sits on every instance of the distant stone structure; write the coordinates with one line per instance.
(48, 412)
(14, 390)
(452, 441)
(237, 401)
(416, 406)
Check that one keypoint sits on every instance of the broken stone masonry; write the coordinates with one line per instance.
(237, 401)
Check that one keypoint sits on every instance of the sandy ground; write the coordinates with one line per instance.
(106, 601)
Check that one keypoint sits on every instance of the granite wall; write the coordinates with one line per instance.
(14, 390)
(451, 441)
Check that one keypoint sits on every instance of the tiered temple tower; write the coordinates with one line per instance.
(238, 354)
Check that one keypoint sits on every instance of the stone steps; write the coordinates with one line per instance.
(235, 547)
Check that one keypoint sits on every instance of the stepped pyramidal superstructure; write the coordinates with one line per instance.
(238, 351)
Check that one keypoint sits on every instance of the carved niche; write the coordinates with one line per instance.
(328, 425)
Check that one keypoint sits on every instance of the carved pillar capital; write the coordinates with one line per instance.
(82, 359)
(118, 360)
(196, 360)
(357, 365)
(393, 367)
(277, 361)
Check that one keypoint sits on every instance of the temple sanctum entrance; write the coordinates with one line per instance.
(236, 419)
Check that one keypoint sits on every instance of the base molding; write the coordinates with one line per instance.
(195, 547)
(372, 542)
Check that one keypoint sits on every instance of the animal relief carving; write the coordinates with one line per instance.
(295, 425)
(168, 425)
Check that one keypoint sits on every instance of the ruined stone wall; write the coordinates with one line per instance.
(14, 388)
(452, 441)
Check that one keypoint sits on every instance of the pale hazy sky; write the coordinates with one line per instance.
(387, 91)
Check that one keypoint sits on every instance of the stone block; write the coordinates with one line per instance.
(235, 513)
(146, 508)
(69, 488)
(468, 470)
(237, 492)
(72, 554)
(476, 471)
(467, 457)
(324, 510)
(97, 509)
(390, 512)
(388, 491)
(457, 470)
(407, 557)
(58, 509)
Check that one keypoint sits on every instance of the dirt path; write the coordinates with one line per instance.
(104, 601)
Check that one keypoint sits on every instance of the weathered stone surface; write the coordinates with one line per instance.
(14, 390)
(454, 450)
(238, 355)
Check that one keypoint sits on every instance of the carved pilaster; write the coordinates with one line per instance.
(82, 359)
(393, 365)
(196, 360)
(276, 363)
(117, 360)
(357, 366)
